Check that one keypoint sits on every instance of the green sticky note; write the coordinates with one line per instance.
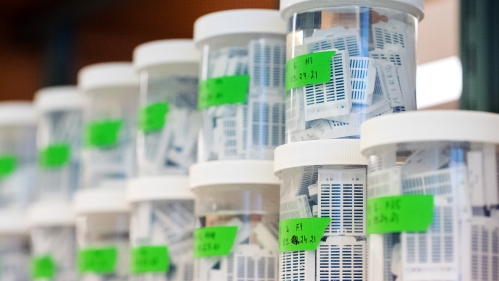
(42, 267)
(223, 90)
(214, 241)
(55, 155)
(404, 213)
(97, 260)
(149, 259)
(309, 69)
(152, 117)
(8, 165)
(103, 133)
(301, 234)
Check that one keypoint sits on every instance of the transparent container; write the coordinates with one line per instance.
(111, 92)
(372, 71)
(169, 121)
(162, 223)
(241, 84)
(243, 194)
(325, 179)
(14, 254)
(452, 157)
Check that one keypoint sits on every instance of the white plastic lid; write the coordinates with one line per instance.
(13, 222)
(159, 188)
(318, 152)
(165, 52)
(100, 200)
(105, 75)
(237, 22)
(58, 98)
(232, 172)
(17, 113)
(413, 7)
(431, 125)
(51, 214)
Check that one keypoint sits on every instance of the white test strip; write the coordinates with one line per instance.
(490, 174)
(475, 177)
(329, 129)
(266, 239)
(425, 160)
(297, 265)
(384, 182)
(295, 207)
(362, 79)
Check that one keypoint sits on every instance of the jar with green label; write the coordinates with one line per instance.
(237, 217)
(169, 122)
(433, 196)
(111, 93)
(161, 229)
(347, 62)
(241, 88)
(322, 232)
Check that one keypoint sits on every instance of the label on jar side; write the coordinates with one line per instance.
(301, 234)
(404, 213)
(309, 69)
(152, 116)
(42, 267)
(97, 260)
(223, 90)
(102, 133)
(149, 259)
(214, 241)
(8, 165)
(55, 155)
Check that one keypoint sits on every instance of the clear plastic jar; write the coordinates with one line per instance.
(111, 92)
(241, 84)
(169, 122)
(162, 223)
(370, 69)
(451, 157)
(244, 194)
(324, 179)
(14, 254)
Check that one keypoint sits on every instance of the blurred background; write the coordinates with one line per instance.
(45, 42)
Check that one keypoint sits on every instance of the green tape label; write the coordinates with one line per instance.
(214, 241)
(309, 69)
(301, 234)
(146, 259)
(42, 267)
(55, 155)
(152, 117)
(405, 213)
(103, 133)
(97, 260)
(223, 90)
(8, 165)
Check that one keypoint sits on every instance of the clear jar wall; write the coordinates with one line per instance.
(169, 149)
(106, 230)
(373, 71)
(14, 254)
(254, 210)
(59, 243)
(337, 192)
(461, 243)
(111, 161)
(253, 129)
(167, 223)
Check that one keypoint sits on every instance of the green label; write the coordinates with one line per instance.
(97, 260)
(405, 213)
(309, 69)
(103, 133)
(152, 117)
(55, 155)
(42, 267)
(147, 259)
(223, 90)
(301, 234)
(214, 241)
(8, 165)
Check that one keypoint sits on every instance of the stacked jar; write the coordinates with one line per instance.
(51, 218)
(241, 98)
(162, 214)
(17, 180)
(110, 119)
(433, 196)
